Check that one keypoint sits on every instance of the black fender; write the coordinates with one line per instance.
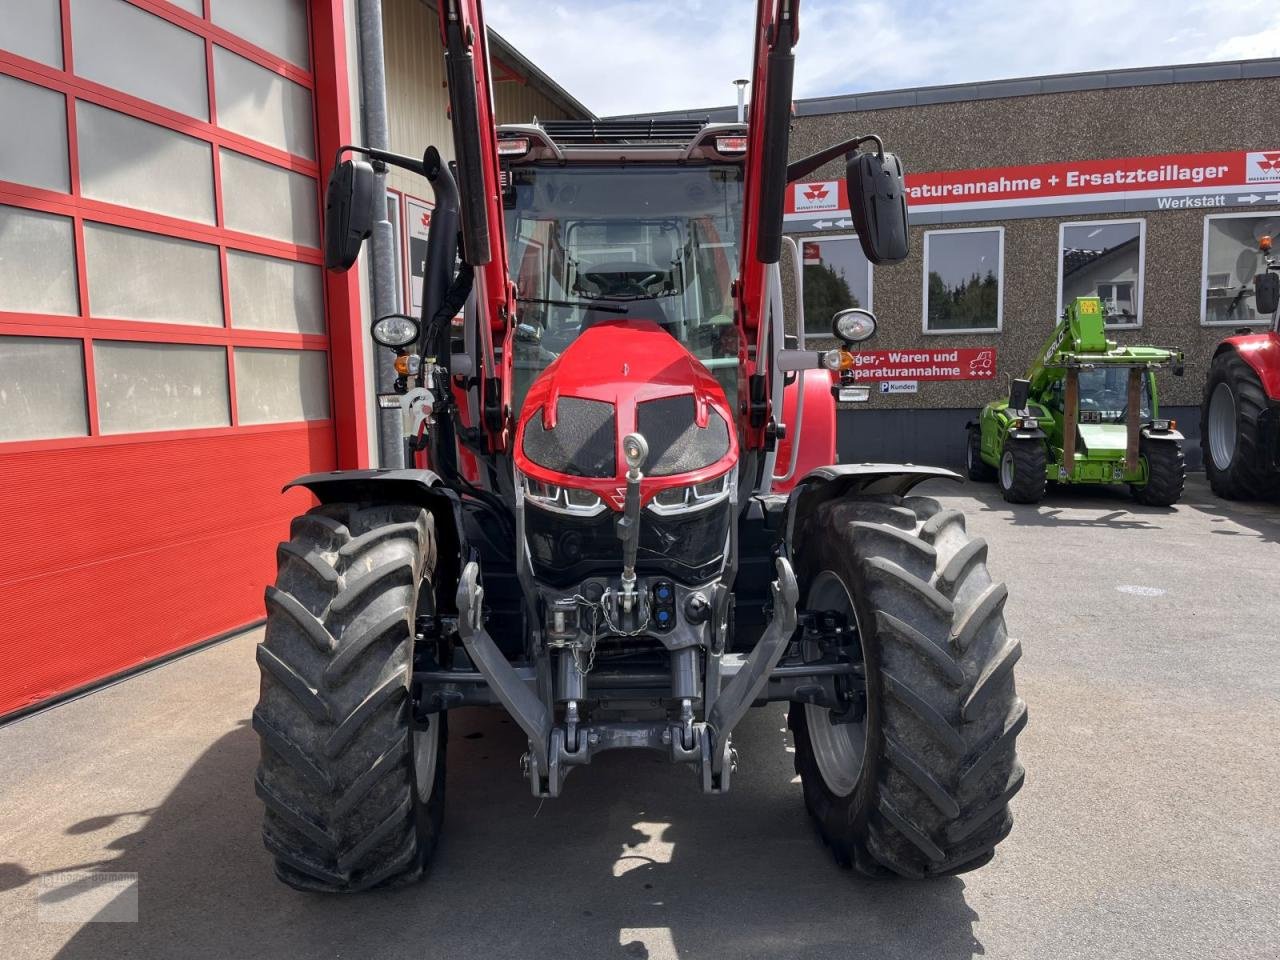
(852, 480)
(416, 487)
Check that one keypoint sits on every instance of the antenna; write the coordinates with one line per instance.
(742, 98)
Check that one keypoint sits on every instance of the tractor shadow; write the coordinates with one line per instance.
(1115, 508)
(631, 862)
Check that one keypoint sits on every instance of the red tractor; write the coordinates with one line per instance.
(1240, 417)
(606, 533)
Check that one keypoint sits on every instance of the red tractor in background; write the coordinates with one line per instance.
(612, 533)
(1240, 417)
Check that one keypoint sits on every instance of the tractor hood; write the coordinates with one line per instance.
(617, 378)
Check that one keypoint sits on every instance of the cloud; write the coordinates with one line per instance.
(635, 56)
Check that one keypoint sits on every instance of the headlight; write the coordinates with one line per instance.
(570, 500)
(688, 499)
(396, 330)
(854, 325)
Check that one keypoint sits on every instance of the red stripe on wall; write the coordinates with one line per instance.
(116, 555)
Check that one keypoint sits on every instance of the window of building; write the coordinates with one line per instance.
(1104, 259)
(964, 280)
(1231, 260)
(836, 276)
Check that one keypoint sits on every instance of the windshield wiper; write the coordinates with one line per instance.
(585, 304)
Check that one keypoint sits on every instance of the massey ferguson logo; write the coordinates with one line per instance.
(817, 196)
(1262, 166)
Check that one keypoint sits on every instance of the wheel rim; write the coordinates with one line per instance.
(1006, 470)
(1222, 426)
(426, 750)
(838, 749)
(970, 458)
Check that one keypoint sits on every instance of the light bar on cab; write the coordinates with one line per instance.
(513, 146)
(731, 144)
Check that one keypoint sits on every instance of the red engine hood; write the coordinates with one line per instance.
(625, 364)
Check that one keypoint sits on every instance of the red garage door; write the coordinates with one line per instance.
(165, 362)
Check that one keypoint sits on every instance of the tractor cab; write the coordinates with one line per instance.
(603, 226)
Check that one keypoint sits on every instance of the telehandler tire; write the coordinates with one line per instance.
(921, 787)
(975, 467)
(354, 795)
(1230, 433)
(1166, 473)
(1022, 466)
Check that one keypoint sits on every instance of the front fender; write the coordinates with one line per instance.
(1149, 434)
(854, 479)
(421, 488)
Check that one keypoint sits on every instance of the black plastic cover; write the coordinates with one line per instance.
(566, 550)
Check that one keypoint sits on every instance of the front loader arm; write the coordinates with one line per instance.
(769, 129)
(484, 242)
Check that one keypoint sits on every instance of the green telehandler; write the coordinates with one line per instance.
(1086, 412)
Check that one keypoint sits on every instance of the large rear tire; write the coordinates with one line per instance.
(921, 787)
(1022, 471)
(1166, 473)
(354, 794)
(1230, 434)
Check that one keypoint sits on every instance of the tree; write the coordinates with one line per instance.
(973, 303)
(825, 294)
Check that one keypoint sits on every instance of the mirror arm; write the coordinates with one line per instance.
(806, 165)
(412, 164)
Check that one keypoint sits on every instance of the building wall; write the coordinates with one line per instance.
(1084, 124)
(417, 101)
(171, 351)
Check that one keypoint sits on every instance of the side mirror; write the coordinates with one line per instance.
(348, 213)
(878, 199)
(1019, 394)
(1266, 293)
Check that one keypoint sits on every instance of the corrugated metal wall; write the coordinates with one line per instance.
(416, 98)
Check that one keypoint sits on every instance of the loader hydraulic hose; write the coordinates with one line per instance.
(442, 248)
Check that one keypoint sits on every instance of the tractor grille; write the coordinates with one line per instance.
(676, 443)
(622, 131)
(583, 442)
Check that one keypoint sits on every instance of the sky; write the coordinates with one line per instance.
(636, 56)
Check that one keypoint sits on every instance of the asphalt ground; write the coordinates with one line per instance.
(1148, 827)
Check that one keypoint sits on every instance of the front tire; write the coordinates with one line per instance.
(921, 788)
(354, 794)
(1022, 471)
(1230, 433)
(1166, 473)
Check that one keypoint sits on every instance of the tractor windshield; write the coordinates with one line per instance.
(589, 244)
(1104, 395)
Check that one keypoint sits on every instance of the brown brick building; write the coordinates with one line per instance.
(1152, 209)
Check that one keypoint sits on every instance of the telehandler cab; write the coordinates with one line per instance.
(1087, 411)
(608, 533)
